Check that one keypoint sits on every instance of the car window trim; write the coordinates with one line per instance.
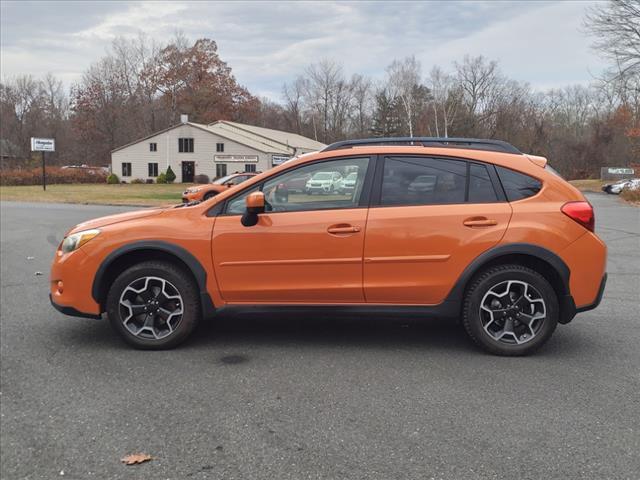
(363, 202)
(376, 200)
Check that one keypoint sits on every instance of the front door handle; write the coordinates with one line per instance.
(342, 229)
(479, 222)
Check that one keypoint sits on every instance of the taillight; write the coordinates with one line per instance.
(581, 212)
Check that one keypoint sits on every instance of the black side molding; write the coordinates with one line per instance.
(72, 312)
(186, 257)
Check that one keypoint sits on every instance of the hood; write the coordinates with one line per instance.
(120, 217)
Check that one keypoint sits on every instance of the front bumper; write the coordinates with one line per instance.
(72, 312)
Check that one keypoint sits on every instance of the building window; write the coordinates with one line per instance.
(126, 169)
(153, 147)
(221, 170)
(153, 170)
(219, 147)
(185, 145)
(250, 167)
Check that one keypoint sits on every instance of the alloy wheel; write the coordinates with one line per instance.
(512, 312)
(151, 308)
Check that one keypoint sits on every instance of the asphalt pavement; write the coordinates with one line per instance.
(285, 397)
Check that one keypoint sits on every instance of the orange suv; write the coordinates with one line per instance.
(205, 192)
(460, 228)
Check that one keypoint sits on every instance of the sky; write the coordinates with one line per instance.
(269, 43)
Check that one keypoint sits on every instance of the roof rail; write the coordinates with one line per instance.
(445, 142)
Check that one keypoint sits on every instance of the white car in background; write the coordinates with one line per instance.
(348, 183)
(323, 182)
(617, 187)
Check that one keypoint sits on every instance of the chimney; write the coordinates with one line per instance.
(184, 118)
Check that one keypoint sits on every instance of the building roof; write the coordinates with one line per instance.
(262, 139)
(278, 136)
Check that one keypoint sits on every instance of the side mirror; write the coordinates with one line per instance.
(255, 205)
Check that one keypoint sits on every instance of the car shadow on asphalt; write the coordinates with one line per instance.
(252, 330)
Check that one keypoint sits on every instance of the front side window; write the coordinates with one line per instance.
(126, 169)
(518, 185)
(185, 145)
(319, 186)
(423, 181)
(153, 170)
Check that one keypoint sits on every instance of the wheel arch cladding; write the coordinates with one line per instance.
(543, 261)
(122, 258)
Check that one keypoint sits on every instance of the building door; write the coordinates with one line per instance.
(188, 169)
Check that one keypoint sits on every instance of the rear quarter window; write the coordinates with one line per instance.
(518, 185)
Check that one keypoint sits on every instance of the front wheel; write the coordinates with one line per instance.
(209, 195)
(153, 305)
(510, 310)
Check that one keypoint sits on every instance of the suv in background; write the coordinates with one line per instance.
(205, 192)
(455, 228)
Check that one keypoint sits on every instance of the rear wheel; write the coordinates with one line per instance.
(209, 195)
(153, 305)
(510, 310)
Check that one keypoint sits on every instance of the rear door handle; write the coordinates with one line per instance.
(342, 229)
(479, 222)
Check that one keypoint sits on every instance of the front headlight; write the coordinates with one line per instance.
(76, 240)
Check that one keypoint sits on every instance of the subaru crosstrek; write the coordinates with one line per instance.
(457, 228)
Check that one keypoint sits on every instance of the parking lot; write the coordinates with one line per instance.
(283, 397)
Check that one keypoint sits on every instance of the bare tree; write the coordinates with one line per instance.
(402, 78)
(616, 28)
(446, 99)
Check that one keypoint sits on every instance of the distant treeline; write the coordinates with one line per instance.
(140, 87)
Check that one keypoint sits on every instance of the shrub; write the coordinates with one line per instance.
(149, 180)
(201, 178)
(137, 181)
(631, 195)
(113, 179)
(170, 176)
(162, 178)
(55, 175)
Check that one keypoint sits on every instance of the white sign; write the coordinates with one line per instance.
(43, 144)
(235, 158)
(621, 171)
(278, 159)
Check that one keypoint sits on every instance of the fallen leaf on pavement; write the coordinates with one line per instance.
(134, 458)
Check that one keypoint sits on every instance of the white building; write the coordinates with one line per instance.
(215, 150)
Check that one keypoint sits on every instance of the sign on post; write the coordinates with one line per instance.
(43, 145)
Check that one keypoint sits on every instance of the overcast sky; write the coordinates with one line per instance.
(268, 43)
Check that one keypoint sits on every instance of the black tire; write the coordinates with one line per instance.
(473, 318)
(177, 279)
(209, 195)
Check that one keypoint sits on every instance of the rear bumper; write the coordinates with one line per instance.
(72, 312)
(603, 284)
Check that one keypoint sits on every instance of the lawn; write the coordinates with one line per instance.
(140, 194)
(592, 185)
(122, 194)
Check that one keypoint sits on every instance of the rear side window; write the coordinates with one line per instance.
(518, 185)
(480, 187)
(423, 181)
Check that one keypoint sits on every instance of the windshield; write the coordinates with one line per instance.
(322, 176)
(222, 180)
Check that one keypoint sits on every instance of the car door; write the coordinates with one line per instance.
(305, 248)
(421, 235)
